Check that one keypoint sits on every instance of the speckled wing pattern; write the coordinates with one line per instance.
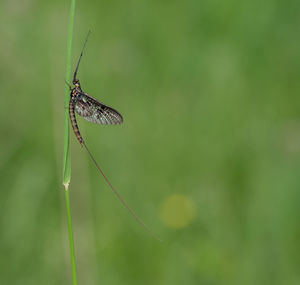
(96, 112)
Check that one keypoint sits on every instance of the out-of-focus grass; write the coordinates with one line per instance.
(209, 94)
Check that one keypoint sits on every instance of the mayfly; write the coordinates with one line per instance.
(96, 112)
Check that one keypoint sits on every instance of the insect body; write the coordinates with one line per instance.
(96, 112)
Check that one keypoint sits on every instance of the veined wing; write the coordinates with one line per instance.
(95, 111)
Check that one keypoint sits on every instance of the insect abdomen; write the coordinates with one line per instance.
(74, 122)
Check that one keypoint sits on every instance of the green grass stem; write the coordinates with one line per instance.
(71, 239)
(66, 155)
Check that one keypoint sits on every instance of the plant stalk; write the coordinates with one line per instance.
(71, 239)
(67, 155)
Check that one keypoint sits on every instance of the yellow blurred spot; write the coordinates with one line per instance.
(177, 211)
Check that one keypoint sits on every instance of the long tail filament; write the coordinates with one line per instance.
(119, 196)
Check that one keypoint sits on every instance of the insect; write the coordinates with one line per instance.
(88, 107)
(96, 112)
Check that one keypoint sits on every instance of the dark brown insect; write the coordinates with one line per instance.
(88, 107)
(96, 112)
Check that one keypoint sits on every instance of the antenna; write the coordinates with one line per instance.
(75, 73)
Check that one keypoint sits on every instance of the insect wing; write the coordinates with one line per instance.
(96, 112)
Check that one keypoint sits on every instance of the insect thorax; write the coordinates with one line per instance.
(75, 91)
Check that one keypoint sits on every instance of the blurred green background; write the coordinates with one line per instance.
(208, 156)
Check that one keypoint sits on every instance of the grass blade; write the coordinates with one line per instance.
(67, 154)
